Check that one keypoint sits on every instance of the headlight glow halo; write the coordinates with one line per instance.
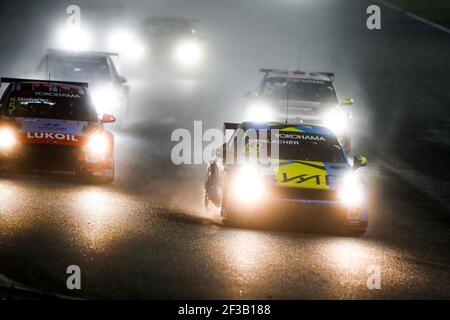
(73, 38)
(247, 185)
(336, 120)
(188, 53)
(351, 190)
(97, 144)
(106, 99)
(7, 139)
(127, 44)
(260, 111)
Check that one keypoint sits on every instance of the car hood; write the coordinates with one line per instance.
(305, 174)
(52, 131)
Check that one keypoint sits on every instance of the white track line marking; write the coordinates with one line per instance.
(415, 17)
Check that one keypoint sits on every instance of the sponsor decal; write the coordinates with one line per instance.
(52, 136)
(308, 81)
(28, 99)
(55, 88)
(12, 106)
(304, 174)
(58, 94)
(71, 122)
(316, 179)
(299, 136)
(75, 128)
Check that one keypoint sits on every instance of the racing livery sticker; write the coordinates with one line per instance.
(301, 174)
(52, 125)
(308, 174)
(52, 131)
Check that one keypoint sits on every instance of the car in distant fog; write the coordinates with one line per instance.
(309, 179)
(109, 90)
(49, 127)
(173, 45)
(300, 97)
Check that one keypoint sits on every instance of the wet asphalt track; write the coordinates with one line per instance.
(147, 235)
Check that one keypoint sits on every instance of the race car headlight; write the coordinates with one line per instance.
(351, 191)
(106, 99)
(97, 144)
(7, 139)
(127, 44)
(73, 38)
(247, 184)
(336, 120)
(259, 112)
(188, 53)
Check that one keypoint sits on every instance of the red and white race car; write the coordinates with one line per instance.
(53, 127)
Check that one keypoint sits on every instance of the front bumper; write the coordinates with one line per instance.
(315, 214)
(55, 159)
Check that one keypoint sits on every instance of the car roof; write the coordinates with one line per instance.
(58, 82)
(287, 127)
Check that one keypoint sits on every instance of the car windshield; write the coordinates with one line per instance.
(299, 89)
(75, 68)
(298, 146)
(49, 102)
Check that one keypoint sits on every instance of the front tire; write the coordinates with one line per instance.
(228, 219)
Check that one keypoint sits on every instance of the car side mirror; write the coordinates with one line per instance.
(347, 101)
(121, 79)
(359, 161)
(108, 118)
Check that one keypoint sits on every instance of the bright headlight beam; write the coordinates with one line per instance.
(336, 120)
(73, 38)
(7, 139)
(247, 184)
(351, 191)
(97, 144)
(106, 99)
(188, 53)
(259, 112)
(127, 44)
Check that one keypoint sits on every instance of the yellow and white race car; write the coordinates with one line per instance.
(301, 97)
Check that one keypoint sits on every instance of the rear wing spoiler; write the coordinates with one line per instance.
(74, 53)
(18, 80)
(268, 70)
(230, 126)
(329, 75)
